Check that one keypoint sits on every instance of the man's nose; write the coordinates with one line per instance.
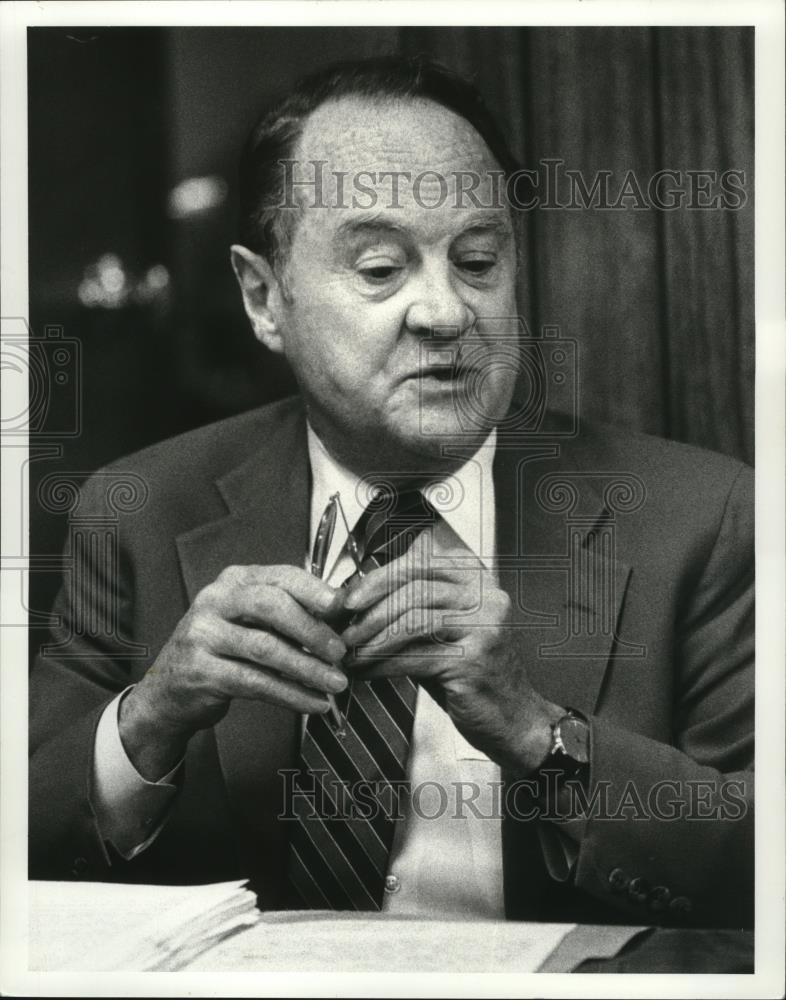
(437, 305)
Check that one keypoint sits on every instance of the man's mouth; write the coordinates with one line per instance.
(452, 372)
(442, 373)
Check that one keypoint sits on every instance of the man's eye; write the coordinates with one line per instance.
(476, 265)
(380, 272)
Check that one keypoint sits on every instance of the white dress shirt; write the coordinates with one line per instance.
(446, 858)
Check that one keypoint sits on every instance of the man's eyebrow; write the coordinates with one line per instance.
(488, 223)
(380, 226)
(368, 226)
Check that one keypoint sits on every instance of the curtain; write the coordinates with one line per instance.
(659, 301)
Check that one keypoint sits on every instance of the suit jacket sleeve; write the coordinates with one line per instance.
(676, 839)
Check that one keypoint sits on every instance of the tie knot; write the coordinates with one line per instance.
(390, 523)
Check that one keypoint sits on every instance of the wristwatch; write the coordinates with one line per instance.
(569, 751)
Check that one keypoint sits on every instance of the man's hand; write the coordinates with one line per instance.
(256, 632)
(444, 620)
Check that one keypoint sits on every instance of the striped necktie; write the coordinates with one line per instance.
(346, 796)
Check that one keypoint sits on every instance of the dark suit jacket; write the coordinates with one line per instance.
(650, 635)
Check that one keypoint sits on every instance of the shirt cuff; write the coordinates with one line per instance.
(129, 809)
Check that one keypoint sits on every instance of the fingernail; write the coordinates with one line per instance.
(337, 682)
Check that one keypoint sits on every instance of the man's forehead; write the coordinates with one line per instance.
(359, 225)
(402, 134)
(410, 159)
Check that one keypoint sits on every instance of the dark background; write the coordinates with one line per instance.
(661, 303)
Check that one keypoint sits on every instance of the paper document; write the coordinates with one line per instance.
(327, 942)
(100, 927)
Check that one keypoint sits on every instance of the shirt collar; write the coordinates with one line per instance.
(465, 498)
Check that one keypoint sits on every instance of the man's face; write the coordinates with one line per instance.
(367, 286)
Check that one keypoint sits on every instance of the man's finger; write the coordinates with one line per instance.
(413, 628)
(422, 662)
(255, 684)
(413, 596)
(419, 562)
(258, 646)
(273, 607)
(308, 590)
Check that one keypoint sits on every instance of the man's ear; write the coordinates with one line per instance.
(262, 295)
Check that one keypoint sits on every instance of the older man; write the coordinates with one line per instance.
(561, 684)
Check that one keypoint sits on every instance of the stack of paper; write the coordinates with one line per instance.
(317, 941)
(98, 927)
(147, 928)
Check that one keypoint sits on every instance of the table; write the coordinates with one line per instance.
(217, 928)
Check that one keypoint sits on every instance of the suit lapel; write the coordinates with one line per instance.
(267, 500)
(560, 569)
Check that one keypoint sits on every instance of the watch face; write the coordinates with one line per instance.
(575, 737)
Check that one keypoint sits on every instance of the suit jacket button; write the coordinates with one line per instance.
(659, 898)
(618, 880)
(79, 867)
(680, 904)
(392, 883)
(639, 890)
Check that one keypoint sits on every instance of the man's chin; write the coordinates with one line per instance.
(434, 433)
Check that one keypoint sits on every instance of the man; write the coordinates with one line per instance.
(569, 619)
